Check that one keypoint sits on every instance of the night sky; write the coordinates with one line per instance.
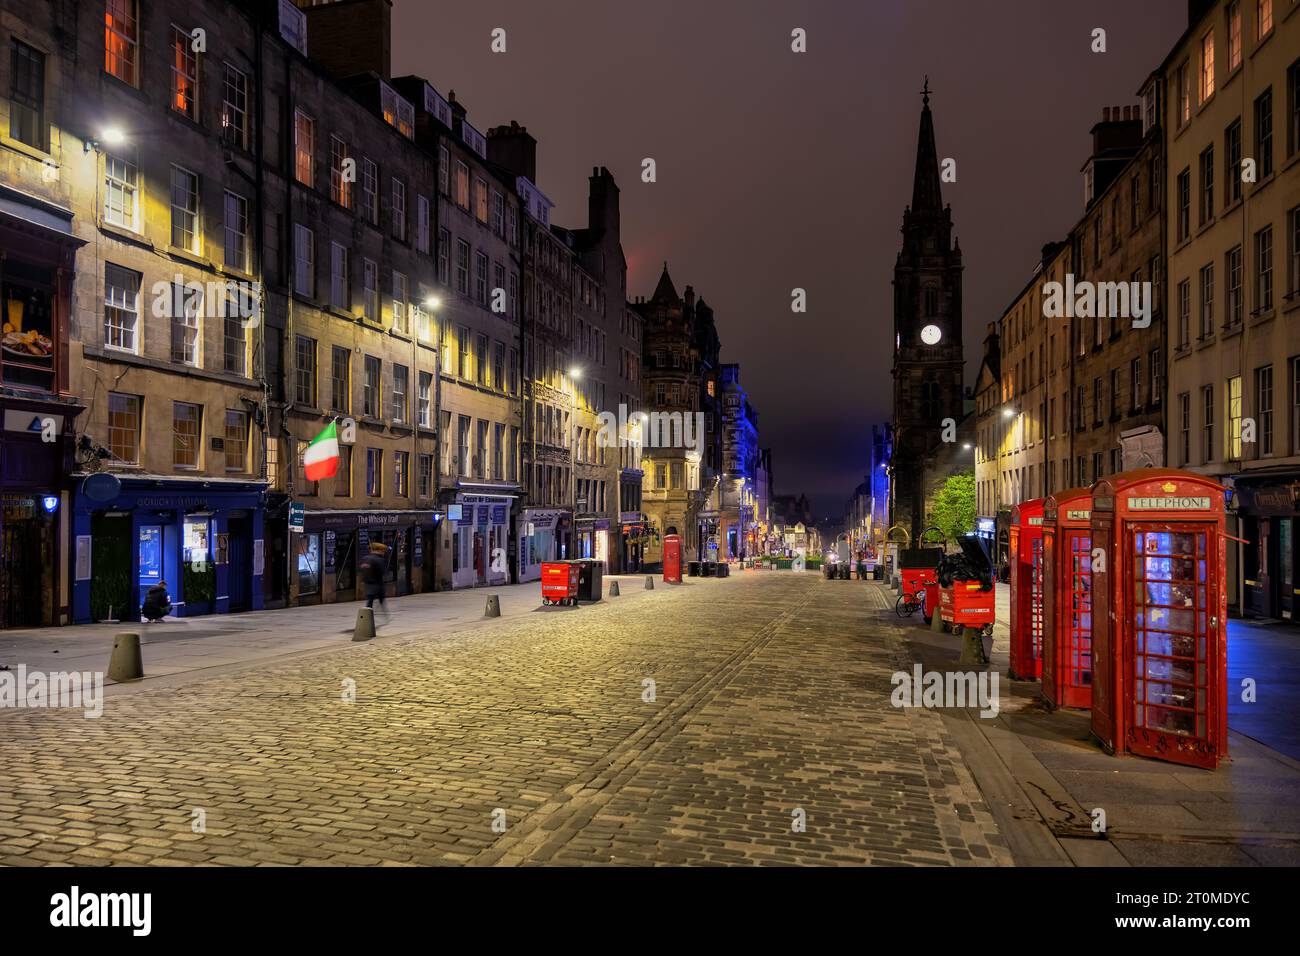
(778, 170)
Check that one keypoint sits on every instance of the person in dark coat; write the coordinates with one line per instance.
(373, 566)
(157, 603)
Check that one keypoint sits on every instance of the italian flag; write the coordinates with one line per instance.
(321, 460)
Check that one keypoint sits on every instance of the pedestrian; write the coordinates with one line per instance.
(373, 566)
(157, 603)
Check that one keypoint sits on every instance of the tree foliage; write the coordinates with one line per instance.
(954, 505)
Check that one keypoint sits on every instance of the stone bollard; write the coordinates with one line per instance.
(493, 608)
(365, 629)
(613, 589)
(972, 648)
(649, 582)
(126, 662)
(936, 622)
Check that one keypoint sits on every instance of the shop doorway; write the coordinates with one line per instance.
(239, 563)
(26, 542)
(1285, 565)
(345, 566)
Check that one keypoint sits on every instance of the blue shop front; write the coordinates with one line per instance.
(201, 537)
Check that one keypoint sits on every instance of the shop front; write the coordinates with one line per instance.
(37, 412)
(202, 539)
(632, 531)
(539, 532)
(480, 539)
(1267, 510)
(327, 553)
(592, 538)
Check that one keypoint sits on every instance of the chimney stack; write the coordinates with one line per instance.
(349, 37)
(512, 148)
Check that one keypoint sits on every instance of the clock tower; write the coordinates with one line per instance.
(927, 370)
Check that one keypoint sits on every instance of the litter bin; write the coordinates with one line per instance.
(590, 580)
(724, 569)
(708, 569)
(828, 569)
(692, 569)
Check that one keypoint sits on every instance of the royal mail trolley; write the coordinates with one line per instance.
(1159, 616)
(1026, 545)
(1067, 607)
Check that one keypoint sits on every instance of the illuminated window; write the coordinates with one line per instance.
(304, 148)
(185, 74)
(1207, 65)
(1234, 35)
(1232, 418)
(121, 37)
(121, 307)
(342, 186)
(1263, 18)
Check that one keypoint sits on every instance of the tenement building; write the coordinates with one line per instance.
(1230, 115)
(1115, 314)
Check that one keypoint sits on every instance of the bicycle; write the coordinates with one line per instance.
(909, 604)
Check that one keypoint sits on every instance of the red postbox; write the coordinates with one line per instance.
(1067, 599)
(1159, 614)
(1026, 540)
(672, 559)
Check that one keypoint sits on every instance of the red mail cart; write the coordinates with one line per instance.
(1159, 616)
(560, 582)
(1067, 604)
(966, 594)
(916, 569)
(1026, 541)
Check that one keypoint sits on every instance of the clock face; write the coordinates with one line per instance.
(931, 335)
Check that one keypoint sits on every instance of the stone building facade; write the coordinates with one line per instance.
(1117, 366)
(1227, 102)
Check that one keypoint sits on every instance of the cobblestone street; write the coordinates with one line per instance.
(769, 707)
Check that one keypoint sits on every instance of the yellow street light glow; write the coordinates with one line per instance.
(575, 373)
(432, 302)
(112, 136)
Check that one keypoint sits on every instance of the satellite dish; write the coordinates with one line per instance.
(101, 487)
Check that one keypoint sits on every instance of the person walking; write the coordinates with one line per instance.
(373, 566)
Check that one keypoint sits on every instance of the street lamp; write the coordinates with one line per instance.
(108, 136)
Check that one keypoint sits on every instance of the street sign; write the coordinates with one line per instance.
(297, 516)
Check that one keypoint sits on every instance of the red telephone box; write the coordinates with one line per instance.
(672, 559)
(1067, 599)
(1159, 613)
(1026, 540)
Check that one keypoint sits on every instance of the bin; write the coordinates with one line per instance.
(560, 582)
(590, 580)
(708, 569)
(692, 569)
(724, 569)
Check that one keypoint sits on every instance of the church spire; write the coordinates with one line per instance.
(925, 187)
